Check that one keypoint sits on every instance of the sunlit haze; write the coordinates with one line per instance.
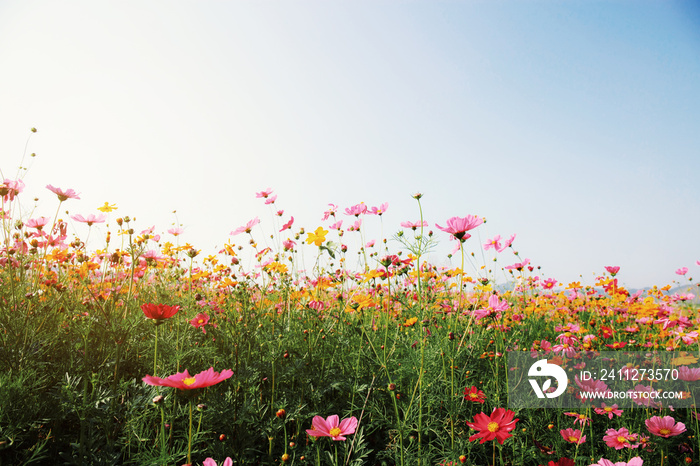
(574, 125)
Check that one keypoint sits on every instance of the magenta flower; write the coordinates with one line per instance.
(288, 225)
(612, 270)
(609, 411)
(331, 428)
(185, 381)
(636, 461)
(664, 426)
(682, 271)
(211, 462)
(519, 266)
(458, 226)
(573, 436)
(247, 228)
(199, 321)
(619, 439)
(271, 200)
(90, 219)
(288, 244)
(63, 195)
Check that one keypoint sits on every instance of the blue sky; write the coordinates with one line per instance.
(572, 124)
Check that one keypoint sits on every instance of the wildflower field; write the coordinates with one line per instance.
(142, 350)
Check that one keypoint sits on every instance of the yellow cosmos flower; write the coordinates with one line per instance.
(684, 359)
(410, 322)
(107, 208)
(317, 237)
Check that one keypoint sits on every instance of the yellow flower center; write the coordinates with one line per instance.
(188, 381)
(608, 409)
(664, 431)
(573, 439)
(335, 431)
(200, 321)
(473, 395)
(492, 427)
(622, 439)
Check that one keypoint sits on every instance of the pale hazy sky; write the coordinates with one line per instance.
(574, 124)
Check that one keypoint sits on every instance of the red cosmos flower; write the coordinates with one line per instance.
(617, 345)
(606, 332)
(474, 394)
(458, 226)
(493, 427)
(185, 381)
(63, 195)
(612, 270)
(159, 311)
(562, 462)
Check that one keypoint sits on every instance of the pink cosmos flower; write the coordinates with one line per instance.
(337, 225)
(689, 374)
(507, 244)
(580, 418)
(495, 308)
(379, 210)
(549, 283)
(612, 270)
(37, 223)
(271, 200)
(606, 410)
(264, 193)
(355, 226)
(370, 244)
(682, 271)
(199, 321)
(619, 439)
(331, 428)
(458, 226)
(573, 436)
(356, 210)
(414, 225)
(184, 381)
(519, 266)
(176, 231)
(63, 195)
(664, 426)
(636, 461)
(210, 462)
(288, 244)
(90, 218)
(494, 243)
(10, 188)
(247, 228)
(644, 400)
(288, 225)
(330, 212)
